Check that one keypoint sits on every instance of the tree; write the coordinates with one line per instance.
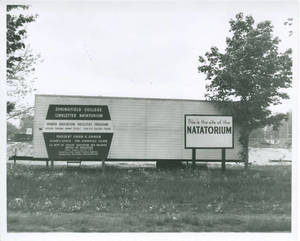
(249, 76)
(20, 58)
(289, 23)
(11, 131)
(257, 133)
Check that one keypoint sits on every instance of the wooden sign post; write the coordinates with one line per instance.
(223, 159)
(194, 158)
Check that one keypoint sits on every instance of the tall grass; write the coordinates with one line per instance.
(177, 200)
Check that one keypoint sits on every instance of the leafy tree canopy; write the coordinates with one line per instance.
(20, 59)
(249, 76)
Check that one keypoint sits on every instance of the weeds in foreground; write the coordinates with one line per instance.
(148, 190)
(172, 198)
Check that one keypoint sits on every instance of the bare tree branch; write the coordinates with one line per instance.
(20, 113)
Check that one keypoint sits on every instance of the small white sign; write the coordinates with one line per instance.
(208, 131)
(28, 131)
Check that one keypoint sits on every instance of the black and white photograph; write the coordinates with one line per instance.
(149, 120)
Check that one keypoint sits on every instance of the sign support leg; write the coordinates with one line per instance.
(223, 159)
(103, 165)
(15, 157)
(52, 163)
(194, 158)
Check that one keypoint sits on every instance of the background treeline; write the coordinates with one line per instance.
(12, 129)
(267, 136)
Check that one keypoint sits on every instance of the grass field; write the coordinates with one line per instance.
(148, 200)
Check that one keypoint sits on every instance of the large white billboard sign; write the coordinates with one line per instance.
(208, 131)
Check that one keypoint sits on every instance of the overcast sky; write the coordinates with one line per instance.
(145, 49)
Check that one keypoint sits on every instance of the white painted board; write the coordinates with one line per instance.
(208, 131)
(143, 128)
